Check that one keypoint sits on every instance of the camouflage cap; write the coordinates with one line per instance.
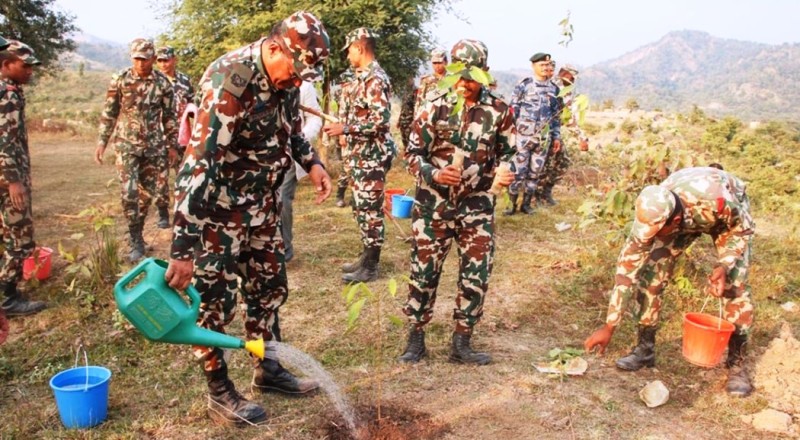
(3, 43)
(361, 33)
(23, 52)
(654, 206)
(540, 56)
(570, 68)
(165, 53)
(142, 48)
(438, 56)
(470, 52)
(305, 40)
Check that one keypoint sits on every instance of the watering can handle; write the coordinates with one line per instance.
(195, 297)
(130, 276)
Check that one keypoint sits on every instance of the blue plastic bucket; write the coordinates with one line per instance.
(401, 206)
(82, 395)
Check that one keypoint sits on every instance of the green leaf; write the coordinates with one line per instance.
(552, 354)
(354, 312)
(448, 82)
(480, 75)
(396, 321)
(456, 67)
(76, 236)
(393, 287)
(351, 294)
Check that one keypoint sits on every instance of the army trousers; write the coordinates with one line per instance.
(346, 175)
(554, 169)
(240, 252)
(473, 233)
(162, 185)
(138, 177)
(368, 182)
(17, 229)
(528, 165)
(657, 271)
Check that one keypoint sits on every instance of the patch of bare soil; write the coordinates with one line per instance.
(777, 373)
(395, 423)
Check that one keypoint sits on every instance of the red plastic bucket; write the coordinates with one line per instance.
(387, 197)
(38, 264)
(705, 339)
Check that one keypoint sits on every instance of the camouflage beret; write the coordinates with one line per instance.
(570, 68)
(438, 56)
(470, 52)
(540, 56)
(3, 43)
(306, 41)
(142, 48)
(654, 206)
(23, 52)
(165, 53)
(361, 33)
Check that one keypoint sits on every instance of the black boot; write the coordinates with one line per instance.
(368, 271)
(136, 242)
(415, 349)
(644, 354)
(163, 218)
(16, 305)
(270, 377)
(511, 210)
(226, 406)
(738, 380)
(352, 267)
(461, 352)
(526, 204)
(547, 196)
(340, 196)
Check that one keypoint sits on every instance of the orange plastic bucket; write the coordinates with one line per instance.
(38, 264)
(387, 197)
(705, 338)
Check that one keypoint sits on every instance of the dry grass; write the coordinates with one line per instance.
(547, 291)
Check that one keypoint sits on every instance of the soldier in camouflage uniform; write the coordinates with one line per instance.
(16, 221)
(139, 120)
(669, 218)
(227, 214)
(184, 94)
(427, 84)
(455, 204)
(365, 122)
(341, 96)
(537, 111)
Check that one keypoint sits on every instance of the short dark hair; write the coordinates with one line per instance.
(367, 43)
(7, 56)
(716, 165)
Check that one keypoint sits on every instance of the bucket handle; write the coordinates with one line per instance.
(719, 323)
(78, 351)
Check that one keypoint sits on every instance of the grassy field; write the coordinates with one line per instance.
(548, 290)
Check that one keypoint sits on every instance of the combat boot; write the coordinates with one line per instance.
(340, 196)
(738, 384)
(16, 305)
(526, 204)
(511, 210)
(368, 271)
(226, 406)
(137, 243)
(163, 218)
(547, 196)
(415, 349)
(270, 377)
(644, 354)
(462, 353)
(352, 267)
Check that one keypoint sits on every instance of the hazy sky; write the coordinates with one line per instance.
(514, 30)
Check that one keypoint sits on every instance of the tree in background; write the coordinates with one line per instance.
(202, 31)
(631, 104)
(37, 24)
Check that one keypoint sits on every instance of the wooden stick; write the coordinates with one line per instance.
(314, 112)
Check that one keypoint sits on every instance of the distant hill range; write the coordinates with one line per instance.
(97, 54)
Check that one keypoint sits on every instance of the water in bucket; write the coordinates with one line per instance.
(161, 314)
(82, 396)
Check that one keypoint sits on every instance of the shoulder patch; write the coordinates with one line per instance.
(237, 78)
(436, 94)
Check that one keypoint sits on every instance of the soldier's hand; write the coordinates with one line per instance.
(556, 145)
(179, 273)
(599, 339)
(342, 141)
(98, 154)
(506, 176)
(449, 176)
(333, 129)
(322, 183)
(18, 195)
(716, 282)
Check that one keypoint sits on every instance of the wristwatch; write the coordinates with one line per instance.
(346, 129)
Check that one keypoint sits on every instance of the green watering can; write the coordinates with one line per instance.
(161, 314)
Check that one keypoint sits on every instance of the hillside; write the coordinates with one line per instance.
(97, 54)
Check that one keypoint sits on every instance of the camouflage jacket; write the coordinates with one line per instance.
(15, 160)
(714, 202)
(427, 84)
(367, 110)
(535, 105)
(184, 91)
(413, 102)
(139, 114)
(246, 134)
(484, 133)
(406, 116)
